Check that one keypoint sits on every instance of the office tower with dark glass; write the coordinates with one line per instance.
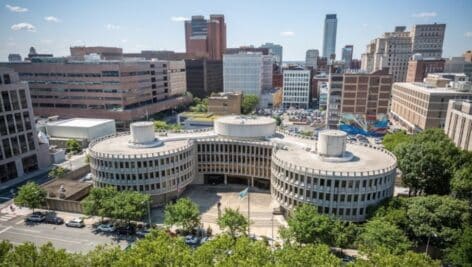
(329, 36)
(347, 52)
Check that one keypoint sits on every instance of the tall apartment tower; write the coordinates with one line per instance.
(311, 58)
(206, 38)
(346, 56)
(18, 142)
(329, 36)
(296, 92)
(276, 51)
(427, 39)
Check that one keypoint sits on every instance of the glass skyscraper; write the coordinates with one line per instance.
(329, 37)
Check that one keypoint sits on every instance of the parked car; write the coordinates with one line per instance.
(126, 230)
(106, 228)
(192, 240)
(77, 223)
(143, 232)
(54, 220)
(35, 217)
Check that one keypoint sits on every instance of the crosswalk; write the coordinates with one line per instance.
(6, 217)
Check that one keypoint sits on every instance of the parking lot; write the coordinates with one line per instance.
(14, 228)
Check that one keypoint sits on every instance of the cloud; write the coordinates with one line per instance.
(23, 26)
(179, 18)
(287, 33)
(46, 41)
(425, 14)
(17, 9)
(112, 27)
(51, 19)
(468, 34)
(124, 40)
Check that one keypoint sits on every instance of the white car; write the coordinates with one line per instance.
(77, 223)
(106, 228)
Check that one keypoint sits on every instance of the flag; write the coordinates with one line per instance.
(243, 193)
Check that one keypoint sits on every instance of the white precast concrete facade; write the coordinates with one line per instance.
(296, 88)
(342, 182)
(243, 72)
(81, 128)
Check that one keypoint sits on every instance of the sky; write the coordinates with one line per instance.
(52, 26)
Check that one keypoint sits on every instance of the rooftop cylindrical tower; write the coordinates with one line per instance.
(142, 135)
(331, 143)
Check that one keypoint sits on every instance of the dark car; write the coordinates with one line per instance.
(54, 220)
(126, 230)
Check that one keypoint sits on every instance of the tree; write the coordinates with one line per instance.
(95, 203)
(184, 213)
(103, 255)
(157, 249)
(381, 256)
(249, 103)
(234, 221)
(31, 195)
(58, 172)
(307, 226)
(28, 254)
(441, 218)
(461, 183)
(73, 146)
(461, 253)
(128, 205)
(307, 255)
(224, 250)
(379, 233)
(278, 120)
(392, 140)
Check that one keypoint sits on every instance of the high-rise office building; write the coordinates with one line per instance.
(419, 67)
(427, 39)
(204, 77)
(394, 49)
(14, 58)
(276, 51)
(18, 142)
(311, 58)
(245, 72)
(296, 89)
(329, 36)
(206, 38)
(346, 56)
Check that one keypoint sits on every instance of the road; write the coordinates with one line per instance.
(6, 194)
(14, 229)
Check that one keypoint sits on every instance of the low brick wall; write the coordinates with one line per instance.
(64, 205)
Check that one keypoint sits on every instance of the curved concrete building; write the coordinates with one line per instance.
(340, 179)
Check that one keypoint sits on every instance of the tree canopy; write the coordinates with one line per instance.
(58, 172)
(249, 103)
(392, 140)
(234, 222)
(379, 233)
(184, 213)
(31, 195)
(73, 146)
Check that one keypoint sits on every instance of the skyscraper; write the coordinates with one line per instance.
(206, 38)
(311, 58)
(346, 56)
(329, 36)
(276, 51)
(427, 39)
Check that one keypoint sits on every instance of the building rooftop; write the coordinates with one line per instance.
(246, 120)
(429, 89)
(79, 122)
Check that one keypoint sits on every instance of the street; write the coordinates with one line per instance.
(14, 229)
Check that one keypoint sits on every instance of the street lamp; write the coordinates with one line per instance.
(427, 243)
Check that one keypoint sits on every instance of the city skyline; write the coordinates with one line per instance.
(52, 28)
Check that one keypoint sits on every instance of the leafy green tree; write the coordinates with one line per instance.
(184, 213)
(28, 254)
(5, 248)
(379, 233)
(234, 221)
(103, 256)
(305, 225)
(95, 203)
(58, 172)
(128, 205)
(461, 183)
(160, 125)
(224, 250)
(392, 140)
(157, 249)
(441, 218)
(461, 253)
(306, 255)
(73, 146)
(345, 234)
(31, 195)
(278, 120)
(381, 256)
(249, 103)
